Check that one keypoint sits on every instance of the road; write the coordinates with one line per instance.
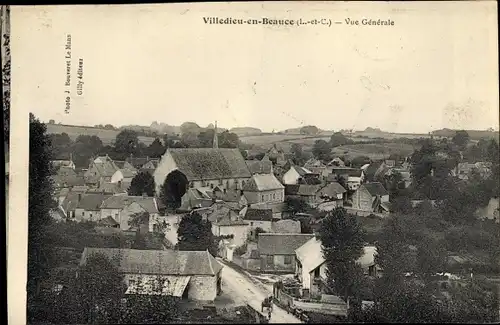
(242, 290)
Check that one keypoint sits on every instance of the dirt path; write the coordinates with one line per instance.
(241, 289)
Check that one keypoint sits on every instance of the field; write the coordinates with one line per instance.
(375, 150)
(107, 136)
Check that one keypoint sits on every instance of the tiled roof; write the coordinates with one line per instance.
(259, 167)
(308, 190)
(275, 207)
(107, 168)
(70, 201)
(164, 262)
(122, 201)
(375, 188)
(301, 170)
(286, 226)
(80, 188)
(208, 163)
(263, 182)
(258, 214)
(352, 172)
(137, 162)
(67, 181)
(92, 201)
(333, 189)
(120, 163)
(110, 188)
(281, 244)
(313, 163)
(109, 222)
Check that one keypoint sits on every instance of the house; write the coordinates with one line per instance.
(100, 170)
(64, 163)
(313, 163)
(233, 198)
(336, 162)
(203, 167)
(264, 188)
(294, 174)
(317, 167)
(353, 177)
(137, 162)
(491, 211)
(70, 203)
(151, 164)
(277, 251)
(89, 207)
(67, 177)
(61, 195)
(123, 164)
(110, 188)
(122, 209)
(372, 197)
(405, 175)
(195, 198)
(332, 195)
(123, 175)
(192, 275)
(231, 224)
(259, 166)
(277, 208)
(309, 193)
(276, 155)
(311, 268)
(258, 218)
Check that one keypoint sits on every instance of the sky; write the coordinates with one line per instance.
(437, 67)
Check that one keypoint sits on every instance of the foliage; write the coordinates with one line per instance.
(6, 79)
(127, 142)
(431, 258)
(309, 130)
(240, 250)
(359, 161)
(156, 149)
(39, 205)
(195, 234)
(297, 154)
(342, 241)
(338, 139)
(322, 150)
(150, 309)
(172, 190)
(143, 182)
(85, 147)
(461, 138)
(296, 204)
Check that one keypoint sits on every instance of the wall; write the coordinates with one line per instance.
(384, 198)
(265, 225)
(330, 205)
(240, 233)
(128, 211)
(203, 288)
(362, 200)
(291, 177)
(278, 264)
(114, 213)
(271, 196)
(117, 176)
(165, 167)
(82, 215)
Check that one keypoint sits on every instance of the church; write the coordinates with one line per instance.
(205, 167)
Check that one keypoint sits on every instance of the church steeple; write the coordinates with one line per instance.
(216, 139)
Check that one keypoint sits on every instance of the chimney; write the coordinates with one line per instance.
(147, 158)
(79, 197)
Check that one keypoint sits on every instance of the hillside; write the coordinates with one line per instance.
(246, 131)
(474, 134)
(107, 136)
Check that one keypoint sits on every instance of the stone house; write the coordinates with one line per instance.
(311, 267)
(372, 197)
(231, 224)
(278, 208)
(70, 203)
(309, 193)
(189, 275)
(89, 207)
(353, 177)
(277, 251)
(122, 208)
(258, 218)
(276, 155)
(264, 188)
(68, 163)
(100, 170)
(195, 198)
(332, 195)
(295, 174)
(204, 167)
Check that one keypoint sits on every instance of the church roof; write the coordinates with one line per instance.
(209, 163)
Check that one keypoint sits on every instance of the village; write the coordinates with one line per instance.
(265, 213)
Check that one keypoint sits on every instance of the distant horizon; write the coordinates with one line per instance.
(265, 131)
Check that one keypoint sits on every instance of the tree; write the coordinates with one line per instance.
(296, 204)
(297, 154)
(321, 150)
(338, 139)
(195, 234)
(142, 183)
(173, 188)
(430, 258)
(228, 140)
(100, 288)
(61, 145)
(309, 130)
(156, 149)
(84, 148)
(127, 142)
(460, 139)
(39, 204)
(6, 68)
(342, 240)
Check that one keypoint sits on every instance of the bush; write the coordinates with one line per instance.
(240, 250)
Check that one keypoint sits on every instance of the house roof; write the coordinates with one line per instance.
(275, 207)
(67, 180)
(375, 189)
(120, 163)
(281, 244)
(137, 162)
(106, 168)
(122, 201)
(163, 262)
(259, 167)
(127, 173)
(92, 201)
(80, 188)
(70, 201)
(313, 163)
(110, 188)
(301, 170)
(333, 189)
(262, 182)
(231, 219)
(302, 189)
(258, 214)
(108, 222)
(351, 172)
(209, 163)
(286, 226)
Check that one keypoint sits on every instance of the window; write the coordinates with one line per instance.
(288, 259)
(274, 196)
(116, 215)
(316, 273)
(83, 213)
(262, 198)
(371, 270)
(251, 223)
(270, 259)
